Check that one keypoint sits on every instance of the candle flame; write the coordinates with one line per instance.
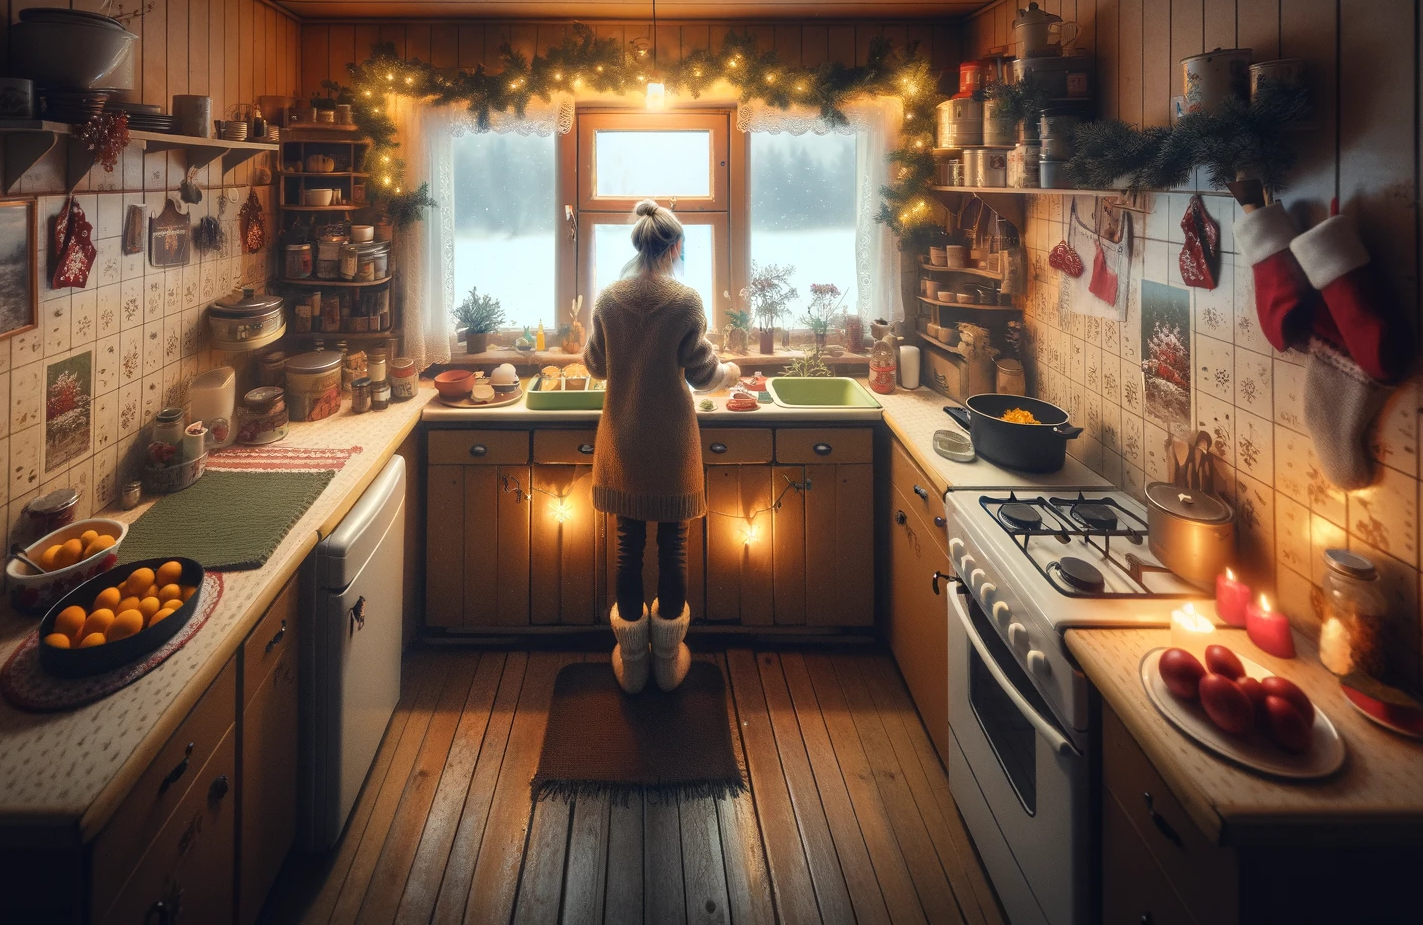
(1264, 603)
(1190, 608)
(1229, 575)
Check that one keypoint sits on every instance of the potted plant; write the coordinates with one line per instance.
(738, 332)
(478, 316)
(769, 293)
(823, 311)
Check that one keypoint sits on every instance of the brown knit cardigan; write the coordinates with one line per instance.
(649, 341)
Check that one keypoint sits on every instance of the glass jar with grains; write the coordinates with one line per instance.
(1354, 634)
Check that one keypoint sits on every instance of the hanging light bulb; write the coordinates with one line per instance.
(750, 533)
(562, 511)
(656, 96)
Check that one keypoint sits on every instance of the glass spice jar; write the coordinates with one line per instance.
(360, 395)
(404, 378)
(1354, 634)
(380, 395)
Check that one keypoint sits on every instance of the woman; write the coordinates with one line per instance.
(649, 341)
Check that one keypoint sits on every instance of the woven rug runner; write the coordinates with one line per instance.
(279, 457)
(225, 520)
(600, 740)
(27, 686)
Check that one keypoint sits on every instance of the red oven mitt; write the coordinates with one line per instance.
(76, 256)
(1104, 279)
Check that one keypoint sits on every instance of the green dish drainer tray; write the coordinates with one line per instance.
(590, 399)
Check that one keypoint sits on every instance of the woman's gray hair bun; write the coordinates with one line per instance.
(654, 235)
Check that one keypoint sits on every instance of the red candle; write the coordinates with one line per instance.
(1231, 598)
(1269, 629)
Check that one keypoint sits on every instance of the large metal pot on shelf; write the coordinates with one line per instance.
(246, 320)
(1036, 446)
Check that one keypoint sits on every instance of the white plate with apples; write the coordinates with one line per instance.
(1241, 711)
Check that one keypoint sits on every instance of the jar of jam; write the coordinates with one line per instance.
(361, 395)
(404, 378)
(49, 512)
(1355, 634)
(380, 395)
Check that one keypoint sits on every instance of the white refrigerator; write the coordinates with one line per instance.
(350, 675)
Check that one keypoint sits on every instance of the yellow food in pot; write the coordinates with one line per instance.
(1019, 416)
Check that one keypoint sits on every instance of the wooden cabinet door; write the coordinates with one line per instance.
(839, 545)
(444, 546)
(788, 539)
(1134, 890)
(917, 619)
(268, 782)
(477, 546)
(563, 546)
(739, 545)
(188, 869)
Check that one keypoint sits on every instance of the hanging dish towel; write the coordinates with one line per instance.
(1103, 291)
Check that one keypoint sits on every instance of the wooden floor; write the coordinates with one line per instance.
(849, 818)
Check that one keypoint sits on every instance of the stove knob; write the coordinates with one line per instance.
(1001, 613)
(955, 547)
(1018, 635)
(1038, 663)
(987, 590)
(966, 565)
(975, 576)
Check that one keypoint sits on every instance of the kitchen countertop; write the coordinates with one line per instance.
(62, 774)
(1376, 798)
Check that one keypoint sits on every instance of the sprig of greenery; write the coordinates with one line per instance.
(479, 314)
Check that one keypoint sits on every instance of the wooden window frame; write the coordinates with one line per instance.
(716, 123)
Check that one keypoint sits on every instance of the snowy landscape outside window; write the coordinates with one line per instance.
(505, 222)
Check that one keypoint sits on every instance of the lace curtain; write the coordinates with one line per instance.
(875, 124)
(427, 258)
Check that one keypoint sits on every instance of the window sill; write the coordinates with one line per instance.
(497, 355)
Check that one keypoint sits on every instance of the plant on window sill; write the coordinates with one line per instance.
(823, 311)
(479, 316)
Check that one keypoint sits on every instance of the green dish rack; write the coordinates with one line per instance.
(590, 399)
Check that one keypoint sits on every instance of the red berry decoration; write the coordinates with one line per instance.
(106, 135)
(1064, 258)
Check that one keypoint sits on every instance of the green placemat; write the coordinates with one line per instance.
(225, 520)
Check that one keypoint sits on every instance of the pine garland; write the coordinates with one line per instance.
(584, 62)
(1237, 139)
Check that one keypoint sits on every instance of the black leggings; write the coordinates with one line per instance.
(671, 568)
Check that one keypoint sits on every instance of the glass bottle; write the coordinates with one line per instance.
(1354, 634)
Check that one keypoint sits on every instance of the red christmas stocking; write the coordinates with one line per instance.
(1200, 253)
(1336, 263)
(1104, 279)
(1286, 303)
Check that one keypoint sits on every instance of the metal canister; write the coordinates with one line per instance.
(1210, 79)
(298, 261)
(1284, 72)
(998, 129)
(132, 494)
(49, 512)
(314, 385)
(404, 378)
(993, 171)
(1023, 166)
(960, 122)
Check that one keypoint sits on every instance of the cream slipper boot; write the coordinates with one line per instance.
(671, 659)
(630, 662)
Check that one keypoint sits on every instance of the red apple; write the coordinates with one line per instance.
(1226, 704)
(1221, 660)
(1181, 673)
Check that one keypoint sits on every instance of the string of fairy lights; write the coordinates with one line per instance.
(561, 508)
(584, 63)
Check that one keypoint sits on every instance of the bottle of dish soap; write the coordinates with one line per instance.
(539, 342)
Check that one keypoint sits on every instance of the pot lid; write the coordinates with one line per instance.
(1034, 15)
(317, 361)
(248, 302)
(1350, 563)
(1189, 505)
(54, 502)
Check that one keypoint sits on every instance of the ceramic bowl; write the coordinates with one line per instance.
(320, 196)
(505, 379)
(363, 234)
(454, 383)
(36, 592)
(73, 55)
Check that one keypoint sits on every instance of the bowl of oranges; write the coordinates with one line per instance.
(70, 556)
(119, 616)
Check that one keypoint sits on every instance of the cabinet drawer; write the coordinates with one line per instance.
(478, 447)
(273, 636)
(1134, 889)
(915, 623)
(189, 866)
(269, 782)
(824, 445)
(725, 445)
(161, 787)
(568, 447)
(1204, 874)
(916, 491)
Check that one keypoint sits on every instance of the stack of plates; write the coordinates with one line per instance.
(146, 117)
(235, 131)
(74, 106)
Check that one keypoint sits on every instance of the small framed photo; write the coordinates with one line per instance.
(19, 283)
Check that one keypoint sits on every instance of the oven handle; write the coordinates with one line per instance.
(1045, 729)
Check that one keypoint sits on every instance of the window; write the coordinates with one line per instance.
(505, 218)
(802, 209)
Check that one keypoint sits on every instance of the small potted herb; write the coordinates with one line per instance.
(823, 311)
(477, 317)
(769, 293)
(738, 332)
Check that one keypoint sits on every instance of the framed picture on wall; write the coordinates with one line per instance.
(19, 285)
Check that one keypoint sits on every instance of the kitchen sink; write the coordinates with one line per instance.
(801, 392)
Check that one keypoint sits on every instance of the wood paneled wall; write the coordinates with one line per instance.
(327, 47)
(1367, 151)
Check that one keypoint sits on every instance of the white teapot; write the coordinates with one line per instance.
(1037, 32)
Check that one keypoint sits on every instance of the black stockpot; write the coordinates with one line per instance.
(1026, 447)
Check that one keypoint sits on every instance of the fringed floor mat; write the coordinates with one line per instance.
(600, 740)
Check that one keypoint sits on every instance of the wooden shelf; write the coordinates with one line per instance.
(347, 335)
(991, 308)
(968, 271)
(329, 173)
(300, 129)
(340, 283)
(956, 349)
(945, 152)
(341, 208)
(28, 140)
(1037, 190)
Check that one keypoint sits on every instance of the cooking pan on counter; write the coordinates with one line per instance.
(1040, 447)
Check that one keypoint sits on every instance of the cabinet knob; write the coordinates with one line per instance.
(821, 449)
(717, 447)
(922, 492)
(178, 771)
(157, 914)
(478, 450)
(218, 790)
(272, 643)
(357, 613)
(1146, 919)
(940, 522)
(586, 449)
(1158, 820)
(900, 518)
(938, 575)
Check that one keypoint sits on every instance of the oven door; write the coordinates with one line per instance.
(1028, 779)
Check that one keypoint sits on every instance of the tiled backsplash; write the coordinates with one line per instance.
(142, 329)
(1248, 396)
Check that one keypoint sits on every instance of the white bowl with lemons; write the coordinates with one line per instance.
(70, 556)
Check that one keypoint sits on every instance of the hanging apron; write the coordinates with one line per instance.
(1102, 290)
